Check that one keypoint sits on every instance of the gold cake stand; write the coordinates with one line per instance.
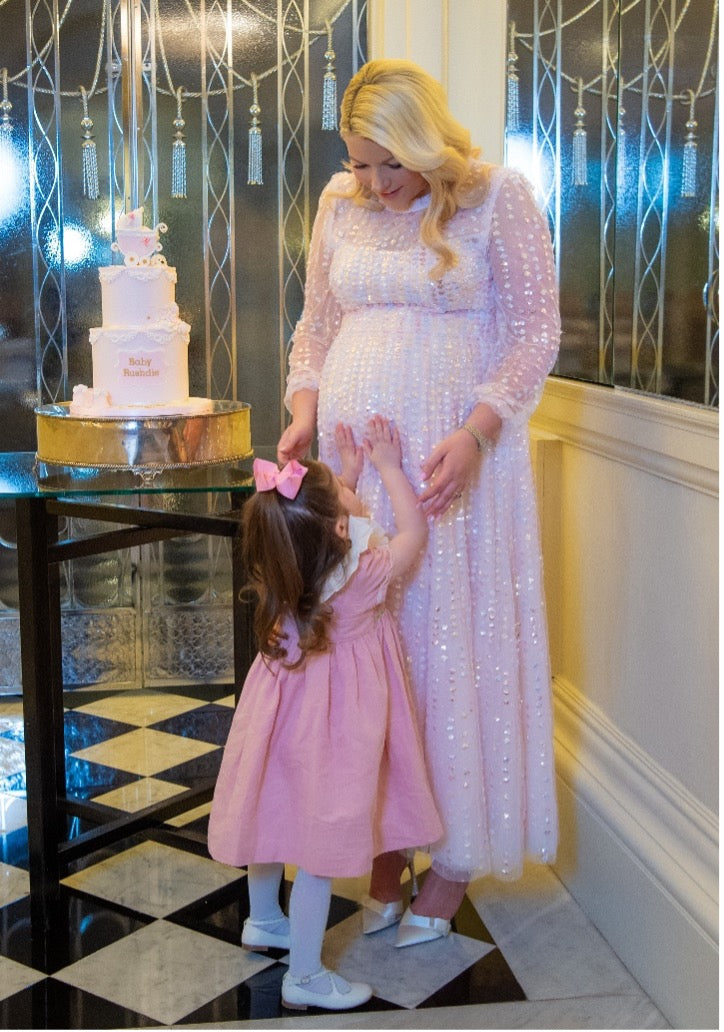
(152, 444)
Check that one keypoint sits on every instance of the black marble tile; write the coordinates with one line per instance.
(489, 980)
(193, 771)
(221, 914)
(79, 925)
(205, 692)
(85, 779)
(209, 723)
(50, 1004)
(85, 729)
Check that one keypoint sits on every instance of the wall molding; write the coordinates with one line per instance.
(670, 439)
(672, 835)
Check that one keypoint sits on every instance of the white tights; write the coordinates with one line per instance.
(308, 912)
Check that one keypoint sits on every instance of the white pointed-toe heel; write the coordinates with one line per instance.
(325, 989)
(377, 915)
(415, 928)
(257, 936)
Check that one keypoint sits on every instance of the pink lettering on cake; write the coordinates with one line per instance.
(140, 367)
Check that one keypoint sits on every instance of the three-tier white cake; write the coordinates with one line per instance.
(140, 353)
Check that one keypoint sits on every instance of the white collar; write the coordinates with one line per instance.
(419, 204)
(364, 533)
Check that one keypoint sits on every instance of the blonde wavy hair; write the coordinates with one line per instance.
(402, 108)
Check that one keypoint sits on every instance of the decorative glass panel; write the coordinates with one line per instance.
(613, 113)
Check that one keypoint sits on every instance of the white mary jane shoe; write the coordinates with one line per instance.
(325, 989)
(256, 935)
(377, 915)
(415, 928)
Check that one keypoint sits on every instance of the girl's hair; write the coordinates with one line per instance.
(398, 106)
(288, 548)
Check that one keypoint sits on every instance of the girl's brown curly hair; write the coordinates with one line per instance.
(289, 546)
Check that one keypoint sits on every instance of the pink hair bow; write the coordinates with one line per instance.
(287, 480)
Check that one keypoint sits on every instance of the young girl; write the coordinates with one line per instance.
(323, 768)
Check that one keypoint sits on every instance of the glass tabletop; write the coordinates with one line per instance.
(22, 476)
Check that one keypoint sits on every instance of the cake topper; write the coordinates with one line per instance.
(138, 244)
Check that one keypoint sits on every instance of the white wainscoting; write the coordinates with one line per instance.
(637, 768)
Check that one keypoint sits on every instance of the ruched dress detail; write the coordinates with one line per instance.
(324, 767)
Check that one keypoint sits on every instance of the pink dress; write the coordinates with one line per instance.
(378, 335)
(323, 767)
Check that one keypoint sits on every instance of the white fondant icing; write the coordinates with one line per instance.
(140, 352)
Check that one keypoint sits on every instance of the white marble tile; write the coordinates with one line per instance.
(139, 794)
(552, 948)
(14, 977)
(140, 708)
(404, 977)
(14, 884)
(13, 812)
(145, 751)
(164, 971)
(153, 878)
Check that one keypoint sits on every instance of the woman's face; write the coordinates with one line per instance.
(375, 168)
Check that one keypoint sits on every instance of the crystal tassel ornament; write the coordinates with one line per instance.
(580, 160)
(329, 86)
(254, 174)
(621, 144)
(688, 168)
(513, 87)
(6, 143)
(90, 156)
(178, 152)
(5, 105)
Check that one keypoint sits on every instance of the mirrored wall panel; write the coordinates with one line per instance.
(612, 110)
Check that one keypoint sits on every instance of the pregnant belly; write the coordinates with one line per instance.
(412, 366)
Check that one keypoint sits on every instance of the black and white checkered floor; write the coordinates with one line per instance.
(151, 926)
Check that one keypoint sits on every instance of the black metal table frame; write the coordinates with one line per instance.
(39, 554)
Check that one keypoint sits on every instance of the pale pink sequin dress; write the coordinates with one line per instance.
(378, 335)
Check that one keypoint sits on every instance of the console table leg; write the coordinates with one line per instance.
(43, 713)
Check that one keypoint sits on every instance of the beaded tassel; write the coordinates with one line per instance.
(688, 168)
(6, 143)
(254, 175)
(621, 141)
(178, 152)
(5, 106)
(513, 87)
(329, 86)
(90, 156)
(580, 160)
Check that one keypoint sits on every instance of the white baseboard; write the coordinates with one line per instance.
(640, 854)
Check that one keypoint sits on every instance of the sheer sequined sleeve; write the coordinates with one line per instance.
(320, 319)
(526, 299)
